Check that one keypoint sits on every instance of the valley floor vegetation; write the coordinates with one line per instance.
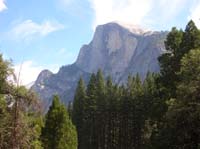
(160, 112)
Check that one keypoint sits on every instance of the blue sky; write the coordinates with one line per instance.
(47, 34)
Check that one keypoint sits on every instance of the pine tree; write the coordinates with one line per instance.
(100, 112)
(89, 114)
(58, 132)
(155, 108)
(111, 117)
(170, 61)
(78, 111)
(191, 38)
(180, 125)
(177, 44)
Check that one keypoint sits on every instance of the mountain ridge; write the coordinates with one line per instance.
(115, 50)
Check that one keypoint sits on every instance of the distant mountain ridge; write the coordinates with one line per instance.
(118, 51)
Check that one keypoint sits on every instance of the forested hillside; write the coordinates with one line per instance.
(160, 112)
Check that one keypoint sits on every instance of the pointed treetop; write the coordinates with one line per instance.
(81, 83)
(190, 26)
(81, 80)
(91, 87)
(109, 81)
(56, 101)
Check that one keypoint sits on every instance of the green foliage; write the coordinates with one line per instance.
(78, 104)
(177, 44)
(20, 118)
(113, 116)
(185, 113)
(174, 40)
(189, 86)
(181, 123)
(78, 110)
(58, 132)
(191, 38)
(5, 123)
(5, 71)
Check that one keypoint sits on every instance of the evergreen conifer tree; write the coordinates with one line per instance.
(58, 132)
(78, 111)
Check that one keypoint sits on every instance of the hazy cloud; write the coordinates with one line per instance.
(126, 11)
(168, 10)
(29, 71)
(2, 5)
(195, 13)
(136, 12)
(28, 29)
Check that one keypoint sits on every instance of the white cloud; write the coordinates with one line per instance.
(126, 11)
(167, 10)
(29, 71)
(138, 12)
(2, 5)
(28, 29)
(195, 13)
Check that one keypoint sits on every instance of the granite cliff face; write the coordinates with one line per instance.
(117, 50)
(120, 51)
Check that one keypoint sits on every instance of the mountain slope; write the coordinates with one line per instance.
(117, 50)
(63, 83)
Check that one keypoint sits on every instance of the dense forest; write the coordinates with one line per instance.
(160, 112)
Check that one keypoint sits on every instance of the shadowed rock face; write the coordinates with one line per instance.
(117, 50)
(62, 83)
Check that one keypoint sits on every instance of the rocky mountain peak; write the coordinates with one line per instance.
(135, 29)
(42, 79)
(117, 50)
(44, 75)
(114, 47)
(109, 40)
